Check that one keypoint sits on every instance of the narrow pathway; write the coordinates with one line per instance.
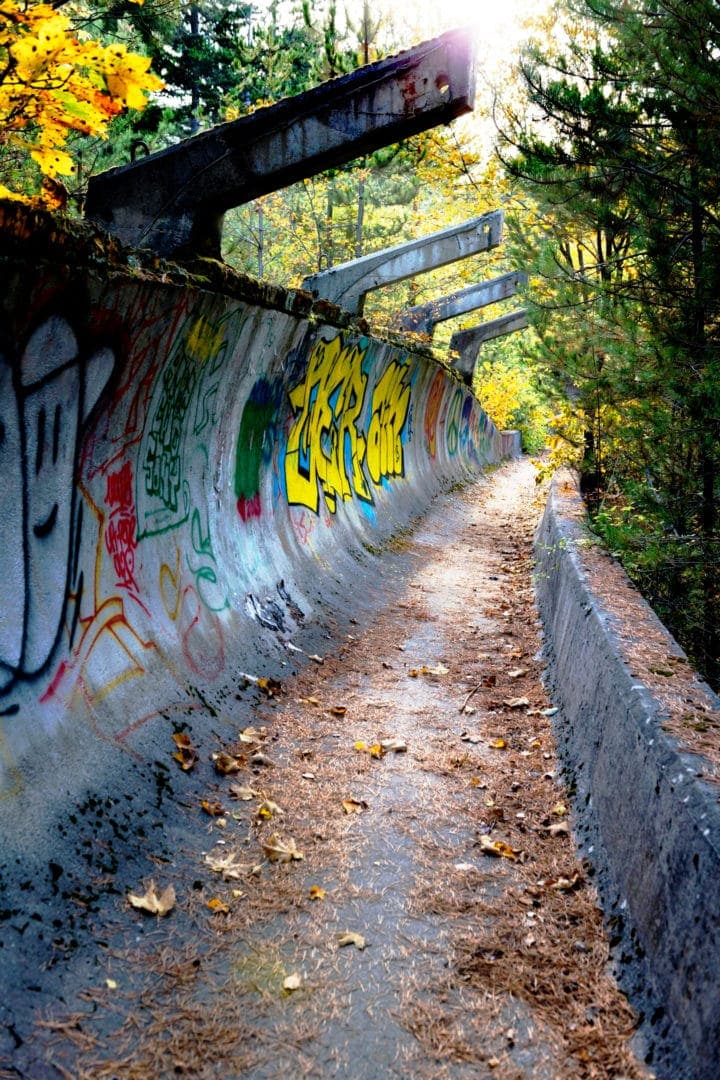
(438, 923)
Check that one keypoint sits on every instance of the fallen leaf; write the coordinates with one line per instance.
(564, 884)
(292, 982)
(269, 809)
(261, 759)
(375, 750)
(214, 809)
(316, 658)
(271, 687)
(227, 864)
(354, 806)
(308, 776)
(413, 673)
(253, 734)
(338, 710)
(156, 903)
(498, 744)
(398, 746)
(560, 809)
(517, 703)
(467, 737)
(517, 673)
(186, 754)
(496, 847)
(312, 700)
(350, 938)
(278, 850)
(243, 794)
(550, 712)
(218, 905)
(439, 669)
(111, 984)
(560, 828)
(316, 893)
(226, 764)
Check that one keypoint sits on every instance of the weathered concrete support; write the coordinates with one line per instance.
(467, 342)
(423, 318)
(174, 200)
(348, 284)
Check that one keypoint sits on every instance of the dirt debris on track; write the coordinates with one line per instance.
(415, 909)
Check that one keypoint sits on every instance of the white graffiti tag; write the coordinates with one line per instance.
(44, 402)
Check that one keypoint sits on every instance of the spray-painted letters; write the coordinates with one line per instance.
(328, 447)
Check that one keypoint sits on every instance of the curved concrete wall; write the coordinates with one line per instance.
(649, 826)
(190, 473)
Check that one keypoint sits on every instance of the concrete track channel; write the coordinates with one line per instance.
(471, 961)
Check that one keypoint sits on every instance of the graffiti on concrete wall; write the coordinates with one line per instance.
(255, 441)
(174, 453)
(46, 398)
(334, 446)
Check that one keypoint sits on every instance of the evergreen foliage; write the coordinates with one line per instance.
(619, 148)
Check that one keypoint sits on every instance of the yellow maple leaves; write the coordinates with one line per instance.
(54, 80)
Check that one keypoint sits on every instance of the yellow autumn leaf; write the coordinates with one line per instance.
(127, 76)
(54, 80)
(292, 982)
(217, 905)
(53, 161)
(354, 806)
(498, 744)
(316, 893)
(496, 847)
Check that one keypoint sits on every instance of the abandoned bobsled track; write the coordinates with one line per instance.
(277, 786)
(461, 961)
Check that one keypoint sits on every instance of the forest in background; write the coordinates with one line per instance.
(598, 140)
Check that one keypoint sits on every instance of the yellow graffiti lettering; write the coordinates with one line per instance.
(325, 448)
(390, 404)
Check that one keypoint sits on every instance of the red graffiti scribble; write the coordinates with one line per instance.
(249, 508)
(203, 641)
(121, 531)
(432, 410)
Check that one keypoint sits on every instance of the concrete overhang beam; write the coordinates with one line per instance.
(348, 284)
(174, 201)
(423, 318)
(466, 343)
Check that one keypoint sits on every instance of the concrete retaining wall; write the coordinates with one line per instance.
(193, 467)
(648, 825)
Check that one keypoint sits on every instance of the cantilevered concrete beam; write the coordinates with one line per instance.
(174, 201)
(423, 318)
(348, 284)
(467, 342)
